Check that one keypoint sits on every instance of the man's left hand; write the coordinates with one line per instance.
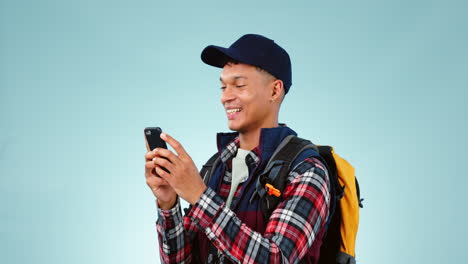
(183, 175)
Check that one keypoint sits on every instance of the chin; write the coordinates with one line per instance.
(235, 127)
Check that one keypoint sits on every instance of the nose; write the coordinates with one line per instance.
(227, 95)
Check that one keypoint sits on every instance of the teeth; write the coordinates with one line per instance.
(230, 111)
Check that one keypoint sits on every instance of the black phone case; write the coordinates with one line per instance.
(152, 135)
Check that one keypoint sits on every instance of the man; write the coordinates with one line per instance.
(224, 224)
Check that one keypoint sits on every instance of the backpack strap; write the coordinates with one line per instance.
(326, 154)
(272, 181)
(208, 169)
(207, 172)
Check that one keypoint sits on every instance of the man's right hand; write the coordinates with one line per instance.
(161, 189)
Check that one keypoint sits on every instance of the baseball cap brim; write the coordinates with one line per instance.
(216, 55)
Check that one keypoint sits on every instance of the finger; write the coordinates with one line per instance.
(164, 163)
(174, 144)
(149, 166)
(150, 155)
(162, 173)
(156, 182)
(161, 181)
(146, 142)
(165, 153)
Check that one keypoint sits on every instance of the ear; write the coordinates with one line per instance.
(277, 90)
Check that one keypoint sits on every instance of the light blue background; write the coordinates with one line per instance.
(382, 81)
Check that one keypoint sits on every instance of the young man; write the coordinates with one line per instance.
(223, 224)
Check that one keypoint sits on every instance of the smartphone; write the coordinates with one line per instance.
(153, 137)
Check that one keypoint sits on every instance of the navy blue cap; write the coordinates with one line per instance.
(255, 50)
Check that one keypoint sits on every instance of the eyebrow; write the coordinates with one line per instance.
(235, 78)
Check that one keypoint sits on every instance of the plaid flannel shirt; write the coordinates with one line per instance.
(290, 231)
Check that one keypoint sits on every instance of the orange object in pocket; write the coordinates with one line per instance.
(272, 190)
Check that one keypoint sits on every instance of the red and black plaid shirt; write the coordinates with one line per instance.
(290, 231)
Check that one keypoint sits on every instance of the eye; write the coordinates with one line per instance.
(223, 87)
(240, 86)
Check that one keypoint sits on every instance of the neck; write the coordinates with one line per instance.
(251, 139)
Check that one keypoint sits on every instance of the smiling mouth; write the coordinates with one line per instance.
(232, 111)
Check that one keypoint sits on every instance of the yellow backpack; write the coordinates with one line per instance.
(339, 242)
